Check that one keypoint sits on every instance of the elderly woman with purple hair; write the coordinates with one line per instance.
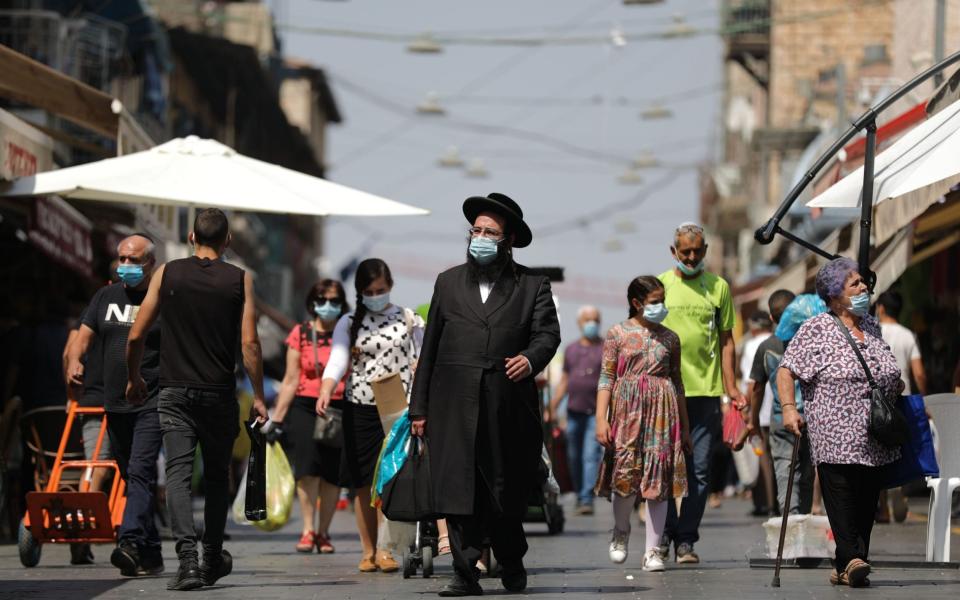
(836, 397)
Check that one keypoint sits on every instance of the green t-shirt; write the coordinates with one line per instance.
(699, 310)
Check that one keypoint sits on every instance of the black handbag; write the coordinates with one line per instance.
(408, 496)
(255, 502)
(328, 428)
(887, 424)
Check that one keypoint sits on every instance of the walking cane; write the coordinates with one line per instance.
(786, 510)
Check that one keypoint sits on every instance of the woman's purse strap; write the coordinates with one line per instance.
(316, 355)
(856, 350)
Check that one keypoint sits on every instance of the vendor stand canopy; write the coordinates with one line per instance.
(205, 173)
(910, 176)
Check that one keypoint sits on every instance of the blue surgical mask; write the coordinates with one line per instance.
(377, 303)
(655, 313)
(591, 330)
(483, 250)
(328, 311)
(130, 275)
(690, 271)
(860, 304)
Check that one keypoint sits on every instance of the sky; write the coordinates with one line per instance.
(554, 125)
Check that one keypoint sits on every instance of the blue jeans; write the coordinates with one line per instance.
(583, 454)
(705, 429)
(136, 441)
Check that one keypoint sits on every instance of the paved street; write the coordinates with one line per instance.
(573, 564)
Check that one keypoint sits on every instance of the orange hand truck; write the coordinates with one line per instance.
(57, 515)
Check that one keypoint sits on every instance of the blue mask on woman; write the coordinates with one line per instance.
(376, 303)
(860, 304)
(483, 250)
(655, 313)
(130, 275)
(328, 311)
(690, 271)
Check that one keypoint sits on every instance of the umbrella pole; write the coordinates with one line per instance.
(866, 206)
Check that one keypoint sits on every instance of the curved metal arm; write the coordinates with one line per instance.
(765, 234)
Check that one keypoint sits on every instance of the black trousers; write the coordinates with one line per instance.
(135, 440)
(850, 494)
(469, 534)
(189, 416)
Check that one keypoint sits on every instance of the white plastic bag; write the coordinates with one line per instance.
(747, 463)
(808, 536)
(239, 503)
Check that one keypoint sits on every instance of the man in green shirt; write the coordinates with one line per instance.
(701, 313)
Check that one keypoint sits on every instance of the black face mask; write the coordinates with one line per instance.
(491, 271)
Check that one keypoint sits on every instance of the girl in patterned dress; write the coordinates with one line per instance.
(647, 431)
(378, 339)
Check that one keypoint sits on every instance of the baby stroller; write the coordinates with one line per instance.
(420, 554)
(544, 504)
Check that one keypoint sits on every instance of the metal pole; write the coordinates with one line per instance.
(866, 206)
(939, 25)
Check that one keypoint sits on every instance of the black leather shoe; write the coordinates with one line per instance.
(126, 558)
(151, 562)
(187, 577)
(514, 578)
(459, 587)
(215, 566)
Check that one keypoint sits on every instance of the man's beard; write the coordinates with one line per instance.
(492, 270)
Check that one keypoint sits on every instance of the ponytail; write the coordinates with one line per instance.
(358, 316)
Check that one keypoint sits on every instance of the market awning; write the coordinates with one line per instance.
(910, 176)
(205, 173)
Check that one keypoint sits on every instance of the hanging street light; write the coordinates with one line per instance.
(451, 158)
(680, 28)
(612, 245)
(477, 170)
(617, 38)
(645, 160)
(655, 111)
(431, 105)
(639, 2)
(424, 44)
(630, 177)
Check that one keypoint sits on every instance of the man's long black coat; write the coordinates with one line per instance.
(478, 421)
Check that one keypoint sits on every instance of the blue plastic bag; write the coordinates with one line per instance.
(917, 457)
(799, 310)
(396, 448)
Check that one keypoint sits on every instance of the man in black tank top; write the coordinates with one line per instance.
(207, 309)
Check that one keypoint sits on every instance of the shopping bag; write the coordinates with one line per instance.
(393, 454)
(279, 489)
(255, 492)
(559, 462)
(240, 503)
(747, 463)
(917, 456)
(408, 496)
(734, 429)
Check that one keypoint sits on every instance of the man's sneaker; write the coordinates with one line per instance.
(151, 562)
(686, 555)
(663, 550)
(585, 510)
(126, 558)
(618, 546)
(652, 561)
(215, 566)
(187, 577)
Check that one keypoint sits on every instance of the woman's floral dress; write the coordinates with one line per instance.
(641, 368)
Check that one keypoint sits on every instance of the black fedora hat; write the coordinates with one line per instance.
(504, 206)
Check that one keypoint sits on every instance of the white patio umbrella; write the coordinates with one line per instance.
(205, 173)
(908, 177)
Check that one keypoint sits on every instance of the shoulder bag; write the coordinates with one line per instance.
(328, 428)
(887, 424)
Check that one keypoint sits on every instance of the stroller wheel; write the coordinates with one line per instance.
(409, 566)
(28, 545)
(427, 552)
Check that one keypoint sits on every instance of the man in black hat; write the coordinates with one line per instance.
(492, 326)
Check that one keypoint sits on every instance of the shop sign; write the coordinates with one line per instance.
(23, 150)
(62, 233)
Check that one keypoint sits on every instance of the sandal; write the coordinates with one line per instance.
(443, 545)
(323, 544)
(306, 543)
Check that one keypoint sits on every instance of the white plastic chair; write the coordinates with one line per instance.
(945, 410)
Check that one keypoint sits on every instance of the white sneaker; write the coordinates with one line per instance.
(652, 562)
(618, 546)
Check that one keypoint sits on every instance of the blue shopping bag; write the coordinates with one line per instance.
(917, 456)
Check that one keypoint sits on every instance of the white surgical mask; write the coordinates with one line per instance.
(377, 303)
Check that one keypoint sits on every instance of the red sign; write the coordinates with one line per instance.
(62, 233)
